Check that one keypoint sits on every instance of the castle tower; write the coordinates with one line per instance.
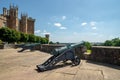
(47, 36)
(26, 24)
(12, 20)
(30, 25)
(23, 23)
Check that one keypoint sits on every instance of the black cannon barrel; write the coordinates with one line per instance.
(60, 50)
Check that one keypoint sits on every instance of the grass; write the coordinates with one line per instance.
(89, 51)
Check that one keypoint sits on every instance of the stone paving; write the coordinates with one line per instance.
(22, 66)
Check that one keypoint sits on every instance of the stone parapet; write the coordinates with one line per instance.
(50, 47)
(105, 54)
(1, 46)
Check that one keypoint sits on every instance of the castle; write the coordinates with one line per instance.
(10, 19)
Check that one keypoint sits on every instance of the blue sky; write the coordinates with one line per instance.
(72, 20)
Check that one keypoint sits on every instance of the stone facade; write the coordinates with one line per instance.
(2, 21)
(10, 19)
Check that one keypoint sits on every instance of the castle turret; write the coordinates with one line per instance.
(4, 11)
(30, 22)
(47, 36)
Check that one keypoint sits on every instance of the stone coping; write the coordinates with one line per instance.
(111, 47)
(53, 44)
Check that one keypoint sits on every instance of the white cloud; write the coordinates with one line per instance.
(37, 31)
(94, 27)
(83, 24)
(63, 28)
(92, 24)
(63, 17)
(75, 33)
(57, 24)
(45, 32)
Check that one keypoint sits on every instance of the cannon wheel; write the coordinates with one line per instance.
(76, 61)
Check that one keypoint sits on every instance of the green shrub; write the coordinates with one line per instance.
(11, 36)
(1, 42)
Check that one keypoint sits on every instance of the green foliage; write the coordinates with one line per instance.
(1, 42)
(44, 41)
(31, 38)
(4, 34)
(51, 42)
(57, 42)
(113, 42)
(24, 37)
(89, 51)
(11, 36)
(116, 42)
(108, 43)
(87, 44)
(15, 37)
(38, 39)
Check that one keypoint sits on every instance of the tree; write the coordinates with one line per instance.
(4, 33)
(44, 41)
(9, 35)
(15, 36)
(24, 37)
(38, 39)
(113, 42)
(108, 43)
(87, 44)
(31, 38)
(116, 42)
(51, 42)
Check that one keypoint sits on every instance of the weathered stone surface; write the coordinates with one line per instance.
(50, 47)
(106, 54)
(22, 66)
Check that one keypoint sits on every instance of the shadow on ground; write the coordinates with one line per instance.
(104, 64)
(57, 66)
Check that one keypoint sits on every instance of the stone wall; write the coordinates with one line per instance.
(1, 46)
(49, 47)
(106, 54)
(6, 46)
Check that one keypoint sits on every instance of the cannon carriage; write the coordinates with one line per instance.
(63, 54)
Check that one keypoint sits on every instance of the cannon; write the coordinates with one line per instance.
(62, 54)
(19, 45)
(28, 46)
